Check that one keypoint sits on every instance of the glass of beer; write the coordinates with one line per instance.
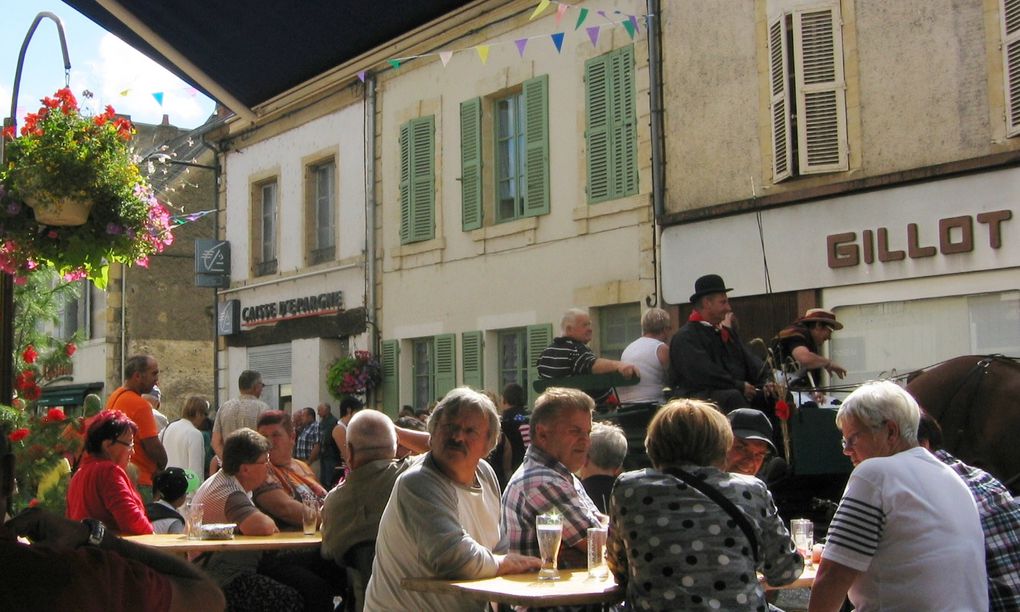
(550, 532)
(309, 516)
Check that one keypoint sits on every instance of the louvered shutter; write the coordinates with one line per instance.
(471, 359)
(538, 337)
(423, 179)
(471, 164)
(779, 78)
(596, 78)
(405, 183)
(1011, 63)
(536, 144)
(445, 364)
(821, 92)
(623, 123)
(390, 362)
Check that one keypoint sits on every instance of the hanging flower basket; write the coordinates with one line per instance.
(354, 375)
(56, 210)
(62, 158)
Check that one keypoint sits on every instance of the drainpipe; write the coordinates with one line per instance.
(655, 95)
(370, 314)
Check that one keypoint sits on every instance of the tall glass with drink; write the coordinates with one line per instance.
(803, 532)
(550, 532)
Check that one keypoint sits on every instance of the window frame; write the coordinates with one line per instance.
(321, 240)
(261, 247)
(520, 335)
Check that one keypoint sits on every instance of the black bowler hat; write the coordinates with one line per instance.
(709, 283)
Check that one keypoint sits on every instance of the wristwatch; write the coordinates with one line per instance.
(96, 531)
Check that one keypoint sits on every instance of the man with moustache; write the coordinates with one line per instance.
(442, 519)
(545, 482)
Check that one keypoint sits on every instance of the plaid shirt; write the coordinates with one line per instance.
(1000, 520)
(540, 485)
(306, 439)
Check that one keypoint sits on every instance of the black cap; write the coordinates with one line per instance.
(709, 283)
(751, 424)
(170, 483)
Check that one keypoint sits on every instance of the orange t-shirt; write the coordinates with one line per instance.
(139, 411)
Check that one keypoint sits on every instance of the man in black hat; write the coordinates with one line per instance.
(802, 342)
(707, 360)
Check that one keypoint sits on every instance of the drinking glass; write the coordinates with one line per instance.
(803, 532)
(309, 516)
(597, 567)
(193, 513)
(550, 532)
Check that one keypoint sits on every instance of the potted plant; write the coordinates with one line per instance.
(353, 375)
(92, 206)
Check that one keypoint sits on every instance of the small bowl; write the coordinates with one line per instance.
(218, 531)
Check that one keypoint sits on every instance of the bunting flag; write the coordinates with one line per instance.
(561, 10)
(630, 29)
(544, 4)
(633, 21)
(188, 218)
(521, 44)
(124, 93)
(361, 75)
(593, 35)
(483, 53)
(445, 56)
(557, 39)
(395, 63)
(159, 97)
(582, 15)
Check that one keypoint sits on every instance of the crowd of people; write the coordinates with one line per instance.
(454, 492)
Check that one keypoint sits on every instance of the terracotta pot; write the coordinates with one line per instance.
(57, 210)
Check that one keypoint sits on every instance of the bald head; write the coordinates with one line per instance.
(371, 436)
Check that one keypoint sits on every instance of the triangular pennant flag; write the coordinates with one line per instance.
(603, 14)
(124, 92)
(394, 62)
(483, 53)
(593, 35)
(634, 22)
(444, 56)
(557, 39)
(629, 27)
(561, 9)
(361, 76)
(159, 97)
(580, 18)
(542, 5)
(521, 44)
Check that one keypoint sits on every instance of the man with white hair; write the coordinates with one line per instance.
(604, 462)
(569, 355)
(906, 535)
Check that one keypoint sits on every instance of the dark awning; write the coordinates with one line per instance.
(254, 50)
(67, 396)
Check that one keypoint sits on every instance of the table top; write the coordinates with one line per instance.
(573, 588)
(177, 543)
(805, 581)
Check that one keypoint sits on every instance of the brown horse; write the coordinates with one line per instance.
(976, 400)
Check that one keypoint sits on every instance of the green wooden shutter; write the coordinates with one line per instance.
(405, 182)
(538, 337)
(623, 124)
(536, 146)
(445, 364)
(471, 163)
(596, 78)
(471, 359)
(421, 188)
(391, 376)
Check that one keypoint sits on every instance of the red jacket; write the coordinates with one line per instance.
(101, 489)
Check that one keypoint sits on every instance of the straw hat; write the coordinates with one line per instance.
(821, 315)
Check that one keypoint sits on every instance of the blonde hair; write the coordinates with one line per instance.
(688, 431)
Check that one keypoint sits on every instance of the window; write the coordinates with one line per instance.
(513, 357)
(520, 144)
(807, 43)
(264, 243)
(618, 327)
(1011, 63)
(433, 369)
(611, 134)
(417, 180)
(321, 212)
(76, 313)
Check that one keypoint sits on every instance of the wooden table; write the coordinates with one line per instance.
(805, 581)
(573, 588)
(177, 543)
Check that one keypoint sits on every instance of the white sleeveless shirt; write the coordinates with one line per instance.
(642, 353)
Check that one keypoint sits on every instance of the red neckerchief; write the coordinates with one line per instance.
(721, 329)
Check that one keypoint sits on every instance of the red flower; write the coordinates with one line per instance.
(19, 434)
(8, 132)
(32, 392)
(29, 354)
(70, 348)
(33, 503)
(55, 415)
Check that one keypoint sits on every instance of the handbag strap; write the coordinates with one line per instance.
(712, 493)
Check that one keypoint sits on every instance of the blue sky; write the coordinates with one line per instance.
(114, 72)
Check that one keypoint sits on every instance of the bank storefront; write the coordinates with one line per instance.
(917, 273)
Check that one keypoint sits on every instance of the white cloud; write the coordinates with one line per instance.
(125, 79)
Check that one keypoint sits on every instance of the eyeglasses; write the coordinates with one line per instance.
(130, 445)
(848, 443)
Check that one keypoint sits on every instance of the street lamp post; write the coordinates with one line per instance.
(7, 280)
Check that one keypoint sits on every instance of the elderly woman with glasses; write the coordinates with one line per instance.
(100, 488)
(687, 535)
